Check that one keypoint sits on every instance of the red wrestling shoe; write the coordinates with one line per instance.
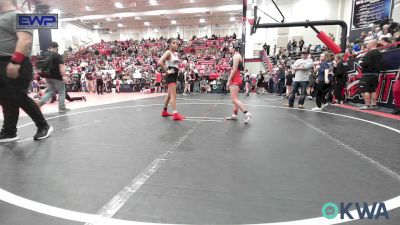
(165, 114)
(178, 116)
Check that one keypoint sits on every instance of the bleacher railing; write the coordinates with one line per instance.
(266, 61)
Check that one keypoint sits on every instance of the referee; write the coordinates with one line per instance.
(16, 73)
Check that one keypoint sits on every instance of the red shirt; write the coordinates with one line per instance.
(158, 77)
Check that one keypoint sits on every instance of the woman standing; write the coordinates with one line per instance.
(324, 80)
(340, 77)
(169, 62)
(234, 83)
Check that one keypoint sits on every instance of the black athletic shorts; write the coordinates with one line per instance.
(172, 78)
(368, 84)
(158, 84)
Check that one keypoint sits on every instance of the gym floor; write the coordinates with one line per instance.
(124, 161)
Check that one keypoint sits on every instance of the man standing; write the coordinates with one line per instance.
(224, 80)
(56, 79)
(281, 80)
(16, 73)
(371, 66)
(302, 68)
(301, 45)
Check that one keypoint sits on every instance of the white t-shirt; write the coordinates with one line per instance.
(388, 35)
(303, 75)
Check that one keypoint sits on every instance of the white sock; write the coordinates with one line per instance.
(175, 112)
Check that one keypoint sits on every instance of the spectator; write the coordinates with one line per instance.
(324, 81)
(302, 68)
(294, 45)
(260, 83)
(99, 80)
(371, 66)
(181, 81)
(117, 85)
(289, 82)
(281, 81)
(56, 79)
(301, 44)
(386, 32)
(340, 78)
(289, 46)
(311, 85)
(224, 80)
(247, 83)
(90, 81)
(384, 42)
(369, 37)
(204, 85)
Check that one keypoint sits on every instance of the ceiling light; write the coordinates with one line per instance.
(146, 23)
(155, 30)
(108, 19)
(96, 26)
(120, 25)
(173, 21)
(232, 19)
(118, 5)
(202, 20)
(153, 2)
(137, 18)
(56, 11)
(88, 8)
(191, 1)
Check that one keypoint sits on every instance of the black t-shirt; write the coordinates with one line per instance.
(340, 71)
(181, 77)
(260, 79)
(372, 62)
(55, 61)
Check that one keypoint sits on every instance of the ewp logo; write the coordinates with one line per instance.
(330, 210)
(37, 21)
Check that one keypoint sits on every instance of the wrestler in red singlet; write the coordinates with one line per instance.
(234, 83)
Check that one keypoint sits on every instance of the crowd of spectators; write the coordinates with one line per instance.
(387, 34)
(106, 65)
(204, 62)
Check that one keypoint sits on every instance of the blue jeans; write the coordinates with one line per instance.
(281, 87)
(196, 87)
(53, 87)
(295, 87)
